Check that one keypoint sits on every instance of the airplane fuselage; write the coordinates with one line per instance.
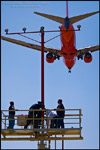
(68, 50)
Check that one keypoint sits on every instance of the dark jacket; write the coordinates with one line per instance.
(11, 108)
(36, 113)
(35, 106)
(61, 113)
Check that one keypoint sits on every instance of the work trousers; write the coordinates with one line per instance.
(11, 122)
(60, 122)
(32, 121)
(53, 122)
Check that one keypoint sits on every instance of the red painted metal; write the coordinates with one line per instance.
(87, 58)
(67, 8)
(62, 143)
(23, 32)
(68, 50)
(50, 60)
(38, 32)
(69, 62)
(42, 68)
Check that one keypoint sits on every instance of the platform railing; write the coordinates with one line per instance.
(72, 118)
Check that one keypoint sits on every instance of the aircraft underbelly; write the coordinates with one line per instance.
(68, 40)
(69, 62)
(68, 50)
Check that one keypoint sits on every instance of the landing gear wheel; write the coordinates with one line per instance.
(69, 71)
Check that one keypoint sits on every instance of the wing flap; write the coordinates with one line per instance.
(85, 50)
(32, 46)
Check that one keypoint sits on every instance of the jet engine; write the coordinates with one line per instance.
(88, 58)
(49, 58)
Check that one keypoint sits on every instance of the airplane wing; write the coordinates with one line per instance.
(72, 19)
(54, 51)
(85, 50)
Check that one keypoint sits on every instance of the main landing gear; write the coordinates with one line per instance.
(56, 57)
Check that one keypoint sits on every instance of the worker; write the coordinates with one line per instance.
(11, 115)
(37, 123)
(52, 114)
(34, 114)
(60, 114)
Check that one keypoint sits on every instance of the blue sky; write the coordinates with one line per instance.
(21, 67)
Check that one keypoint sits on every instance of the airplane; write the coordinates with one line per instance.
(68, 50)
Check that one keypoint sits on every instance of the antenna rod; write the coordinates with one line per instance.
(67, 8)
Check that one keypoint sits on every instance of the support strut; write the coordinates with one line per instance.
(42, 68)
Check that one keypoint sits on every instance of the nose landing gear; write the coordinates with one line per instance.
(69, 70)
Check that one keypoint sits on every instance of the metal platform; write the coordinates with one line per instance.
(37, 134)
(72, 130)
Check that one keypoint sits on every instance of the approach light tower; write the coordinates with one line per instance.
(43, 134)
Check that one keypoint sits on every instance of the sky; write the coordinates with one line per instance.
(21, 67)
